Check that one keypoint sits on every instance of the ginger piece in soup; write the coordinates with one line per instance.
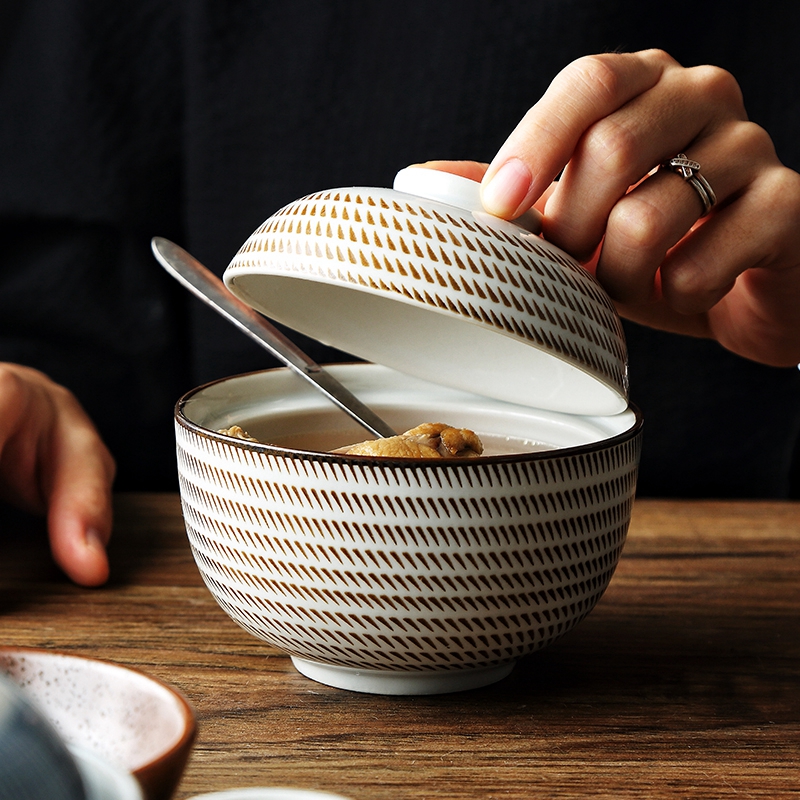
(429, 440)
(238, 433)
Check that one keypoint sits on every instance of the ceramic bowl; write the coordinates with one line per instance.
(112, 717)
(401, 576)
(412, 576)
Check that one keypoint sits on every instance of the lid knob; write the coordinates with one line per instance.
(455, 190)
(445, 187)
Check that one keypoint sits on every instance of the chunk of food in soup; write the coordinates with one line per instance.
(429, 440)
(238, 433)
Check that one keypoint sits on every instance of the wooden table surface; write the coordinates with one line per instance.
(683, 683)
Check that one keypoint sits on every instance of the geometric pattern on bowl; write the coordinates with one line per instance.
(402, 566)
(491, 273)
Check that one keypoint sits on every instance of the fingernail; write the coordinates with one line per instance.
(505, 192)
(94, 540)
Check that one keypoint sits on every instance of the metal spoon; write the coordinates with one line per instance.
(209, 288)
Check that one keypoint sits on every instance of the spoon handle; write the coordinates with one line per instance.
(211, 290)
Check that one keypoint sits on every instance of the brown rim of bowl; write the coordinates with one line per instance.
(424, 463)
(189, 733)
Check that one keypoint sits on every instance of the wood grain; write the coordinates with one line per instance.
(683, 683)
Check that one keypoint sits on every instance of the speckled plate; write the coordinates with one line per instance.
(108, 714)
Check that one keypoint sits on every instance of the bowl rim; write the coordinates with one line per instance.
(187, 713)
(388, 461)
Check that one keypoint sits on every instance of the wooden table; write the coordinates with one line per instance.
(683, 683)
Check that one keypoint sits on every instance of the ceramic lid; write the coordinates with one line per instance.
(421, 279)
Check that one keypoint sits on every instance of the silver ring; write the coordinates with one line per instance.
(689, 170)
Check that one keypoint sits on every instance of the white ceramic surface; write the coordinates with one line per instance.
(269, 793)
(424, 281)
(401, 576)
(103, 779)
(121, 715)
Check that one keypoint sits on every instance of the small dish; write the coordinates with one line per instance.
(108, 713)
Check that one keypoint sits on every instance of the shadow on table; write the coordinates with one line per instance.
(691, 667)
(144, 549)
(25, 560)
(149, 545)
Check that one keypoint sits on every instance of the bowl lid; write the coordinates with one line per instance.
(421, 279)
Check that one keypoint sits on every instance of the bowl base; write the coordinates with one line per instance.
(375, 681)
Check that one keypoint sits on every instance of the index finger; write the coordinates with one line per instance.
(541, 145)
(77, 477)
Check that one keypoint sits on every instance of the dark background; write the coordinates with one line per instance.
(197, 120)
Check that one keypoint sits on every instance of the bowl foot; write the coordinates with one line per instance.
(375, 681)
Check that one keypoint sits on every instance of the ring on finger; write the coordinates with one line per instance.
(689, 170)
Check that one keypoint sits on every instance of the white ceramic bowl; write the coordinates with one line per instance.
(401, 576)
(111, 717)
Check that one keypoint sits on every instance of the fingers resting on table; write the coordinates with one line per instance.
(53, 461)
